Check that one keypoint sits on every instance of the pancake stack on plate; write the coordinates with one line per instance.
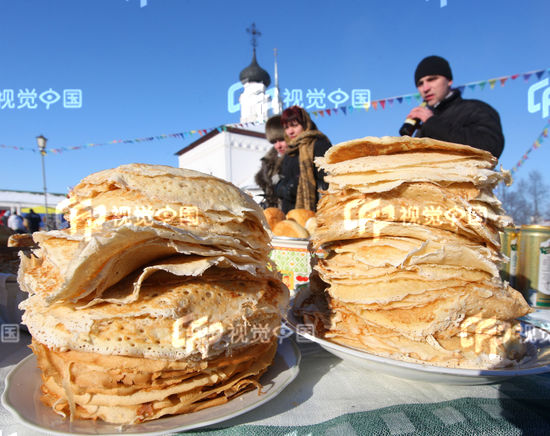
(411, 226)
(159, 299)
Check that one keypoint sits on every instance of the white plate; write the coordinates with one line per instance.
(22, 398)
(538, 363)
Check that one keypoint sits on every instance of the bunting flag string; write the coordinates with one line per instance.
(382, 103)
(534, 146)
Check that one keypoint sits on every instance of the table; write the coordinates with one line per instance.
(332, 397)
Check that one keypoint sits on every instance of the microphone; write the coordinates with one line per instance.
(410, 124)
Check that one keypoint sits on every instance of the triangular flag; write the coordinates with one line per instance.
(461, 89)
(408, 99)
(400, 99)
(219, 129)
(527, 76)
(314, 113)
(383, 103)
(344, 110)
(390, 101)
(472, 86)
(375, 105)
(335, 110)
(366, 106)
(351, 109)
(514, 77)
(322, 113)
(492, 83)
(545, 133)
(539, 73)
(417, 96)
(503, 81)
(327, 111)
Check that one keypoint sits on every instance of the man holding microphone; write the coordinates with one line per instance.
(444, 115)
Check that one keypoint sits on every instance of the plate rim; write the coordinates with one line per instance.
(424, 368)
(291, 350)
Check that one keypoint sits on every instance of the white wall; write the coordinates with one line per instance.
(230, 156)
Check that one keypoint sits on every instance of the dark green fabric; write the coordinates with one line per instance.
(465, 416)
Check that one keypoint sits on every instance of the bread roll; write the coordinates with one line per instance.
(291, 229)
(20, 240)
(300, 215)
(273, 216)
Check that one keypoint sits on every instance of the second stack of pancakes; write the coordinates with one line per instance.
(411, 226)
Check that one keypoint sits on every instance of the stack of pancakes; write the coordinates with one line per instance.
(411, 227)
(159, 299)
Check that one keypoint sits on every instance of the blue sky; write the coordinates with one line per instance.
(166, 68)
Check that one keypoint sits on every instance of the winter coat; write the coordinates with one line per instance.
(470, 122)
(287, 187)
(267, 177)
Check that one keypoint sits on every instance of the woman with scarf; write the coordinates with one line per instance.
(300, 179)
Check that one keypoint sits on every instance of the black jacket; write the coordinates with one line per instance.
(470, 122)
(290, 174)
(270, 166)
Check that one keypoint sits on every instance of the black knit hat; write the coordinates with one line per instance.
(432, 66)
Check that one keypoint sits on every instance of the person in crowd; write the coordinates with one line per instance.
(15, 222)
(268, 176)
(4, 214)
(33, 221)
(301, 181)
(446, 116)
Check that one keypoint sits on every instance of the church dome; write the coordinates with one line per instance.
(255, 73)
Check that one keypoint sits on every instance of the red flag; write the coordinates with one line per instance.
(383, 103)
(328, 111)
(322, 113)
(515, 76)
(503, 81)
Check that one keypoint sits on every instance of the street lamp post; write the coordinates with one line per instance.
(41, 141)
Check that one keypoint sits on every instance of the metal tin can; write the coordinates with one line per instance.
(509, 241)
(533, 277)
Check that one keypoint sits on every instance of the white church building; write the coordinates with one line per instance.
(234, 153)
